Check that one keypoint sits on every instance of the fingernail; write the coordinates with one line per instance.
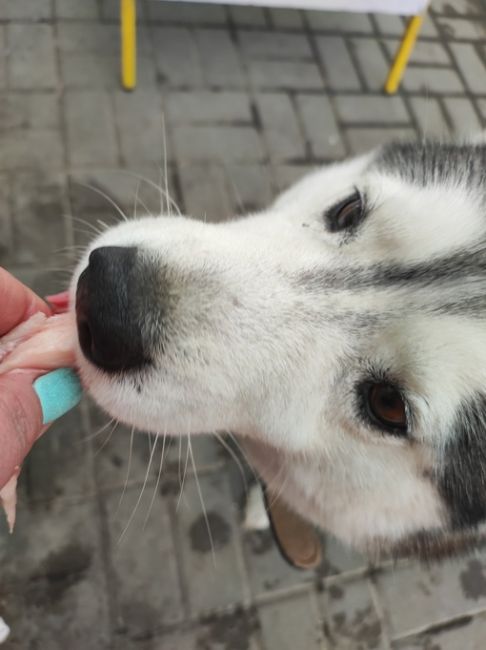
(59, 391)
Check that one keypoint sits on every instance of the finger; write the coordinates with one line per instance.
(20, 421)
(18, 302)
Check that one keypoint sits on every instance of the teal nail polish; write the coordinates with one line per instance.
(59, 391)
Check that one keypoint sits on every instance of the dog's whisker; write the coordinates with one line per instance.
(164, 142)
(91, 436)
(243, 453)
(125, 484)
(205, 514)
(135, 508)
(185, 472)
(107, 440)
(156, 187)
(106, 196)
(135, 200)
(159, 474)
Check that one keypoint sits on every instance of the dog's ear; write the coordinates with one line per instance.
(297, 539)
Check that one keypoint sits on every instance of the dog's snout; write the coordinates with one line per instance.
(106, 309)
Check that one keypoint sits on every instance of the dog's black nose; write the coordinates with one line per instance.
(107, 317)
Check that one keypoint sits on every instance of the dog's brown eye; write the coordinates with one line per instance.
(346, 214)
(386, 407)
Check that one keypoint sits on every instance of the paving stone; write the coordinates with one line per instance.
(320, 126)
(222, 144)
(31, 62)
(471, 66)
(38, 209)
(290, 624)
(415, 597)
(461, 29)
(286, 18)
(371, 110)
(33, 111)
(73, 9)
(390, 25)
(339, 22)
(177, 56)
(463, 117)
(287, 175)
(209, 107)
(212, 582)
(110, 10)
(141, 126)
(90, 70)
(53, 591)
(90, 141)
(424, 52)
(429, 116)
(99, 38)
(351, 617)
(275, 45)
(340, 559)
(339, 67)
(209, 455)
(205, 192)
(143, 557)
(286, 75)
(248, 186)
(231, 630)
(268, 571)
(362, 140)
(458, 7)
(281, 127)
(219, 58)
(31, 10)
(434, 80)
(468, 633)
(3, 57)
(371, 61)
(248, 16)
(26, 148)
(187, 12)
(428, 28)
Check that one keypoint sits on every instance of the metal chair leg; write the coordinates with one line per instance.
(403, 54)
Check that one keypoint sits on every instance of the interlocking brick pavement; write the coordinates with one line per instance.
(251, 99)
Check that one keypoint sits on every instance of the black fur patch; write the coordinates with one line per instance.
(462, 479)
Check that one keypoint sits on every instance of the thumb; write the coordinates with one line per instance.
(20, 420)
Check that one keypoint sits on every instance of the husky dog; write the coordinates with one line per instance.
(341, 334)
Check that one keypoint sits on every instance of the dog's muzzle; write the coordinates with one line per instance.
(107, 314)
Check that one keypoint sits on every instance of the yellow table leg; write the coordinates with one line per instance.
(403, 54)
(128, 16)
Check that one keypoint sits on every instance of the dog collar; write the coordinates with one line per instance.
(297, 540)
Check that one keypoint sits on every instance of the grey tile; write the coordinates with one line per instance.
(282, 132)
(424, 52)
(33, 111)
(364, 139)
(90, 128)
(31, 62)
(436, 80)
(248, 16)
(195, 13)
(31, 148)
(32, 10)
(458, 7)
(371, 110)
(177, 56)
(463, 117)
(453, 28)
(340, 71)
(193, 107)
(213, 581)
(228, 630)
(291, 623)
(471, 66)
(275, 45)
(285, 18)
(219, 58)
(389, 24)
(248, 186)
(415, 597)
(428, 27)
(298, 75)
(143, 557)
(74, 9)
(287, 175)
(205, 192)
(372, 62)
(91, 71)
(141, 127)
(38, 209)
(320, 126)
(6, 237)
(51, 567)
(352, 620)
(429, 116)
(467, 633)
(223, 144)
(340, 559)
(3, 57)
(339, 22)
